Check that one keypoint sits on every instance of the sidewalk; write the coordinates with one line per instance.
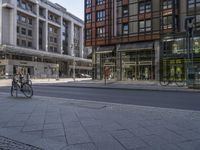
(66, 124)
(126, 85)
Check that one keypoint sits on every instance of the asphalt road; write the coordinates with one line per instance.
(189, 101)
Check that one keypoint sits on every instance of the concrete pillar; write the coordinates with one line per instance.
(37, 28)
(157, 60)
(1, 23)
(71, 38)
(81, 42)
(13, 25)
(61, 36)
(46, 31)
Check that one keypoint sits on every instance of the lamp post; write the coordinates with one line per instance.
(74, 63)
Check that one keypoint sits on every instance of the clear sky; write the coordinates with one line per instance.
(75, 7)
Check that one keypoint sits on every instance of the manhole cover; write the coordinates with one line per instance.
(8, 144)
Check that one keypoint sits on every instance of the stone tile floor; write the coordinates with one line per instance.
(64, 124)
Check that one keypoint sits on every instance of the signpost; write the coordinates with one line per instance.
(106, 73)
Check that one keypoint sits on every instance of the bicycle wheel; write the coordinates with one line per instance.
(180, 82)
(164, 82)
(14, 90)
(27, 90)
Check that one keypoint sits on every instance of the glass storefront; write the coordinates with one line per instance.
(138, 65)
(2, 71)
(174, 58)
(108, 60)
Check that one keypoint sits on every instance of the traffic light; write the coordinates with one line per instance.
(189, 25)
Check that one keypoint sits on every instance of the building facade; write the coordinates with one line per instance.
(135, 38)
(40, 38)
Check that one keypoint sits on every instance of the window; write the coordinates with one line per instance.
(101, 32)
(125, 11)
(88, 34)
(18, 29)
(50, 29)
(23, 43)
(23, 31)
(29, 44)
(167, 22)
(23, 5)
(191, 3)
(23, 19)
(125, 28)
(51, 39)
(100, 2)
(145, 26)
(29, 21)
(144, 7)
(101, 15)
(18, 42)
(29, 32)
(167, 4)
(88, 3)
(88, 17)
(55, 40)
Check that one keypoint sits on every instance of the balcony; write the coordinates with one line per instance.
(26, 7)
(7, 4)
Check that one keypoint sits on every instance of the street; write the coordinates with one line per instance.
(165, 99)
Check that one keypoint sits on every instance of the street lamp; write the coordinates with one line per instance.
(74, 63)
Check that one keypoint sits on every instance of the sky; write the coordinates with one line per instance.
(75, 7)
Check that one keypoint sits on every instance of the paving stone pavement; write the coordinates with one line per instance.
(66, 124)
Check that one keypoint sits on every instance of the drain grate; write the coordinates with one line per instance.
(8, 144)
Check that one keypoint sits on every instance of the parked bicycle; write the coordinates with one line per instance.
(19, 83)
(167, 79)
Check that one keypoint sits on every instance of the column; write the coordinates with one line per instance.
(157, 60)
(37, 28)
(81, 42)
(46, 31)
(13, 25)
(71, 38)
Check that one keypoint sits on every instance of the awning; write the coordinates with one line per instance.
(136, 46)
(105, 49)
(32, 52)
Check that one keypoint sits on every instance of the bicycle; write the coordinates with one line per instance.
(21, 85)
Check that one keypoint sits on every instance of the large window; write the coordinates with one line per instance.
(100, 2)
(88, 34)
(100, 32)
(145, 7)
(125, 11)
(101, 15)
(193, 3)
(125, 29)
(167, 4)
(145, 26)
(88, 3)
(88, 17)
(167, 22)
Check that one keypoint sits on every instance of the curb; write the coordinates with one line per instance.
(129, 89)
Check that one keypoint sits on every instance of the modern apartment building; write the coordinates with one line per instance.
(40, 38)
(140, 39)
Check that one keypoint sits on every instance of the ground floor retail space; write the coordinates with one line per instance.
(40, 67)
(129, 61)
